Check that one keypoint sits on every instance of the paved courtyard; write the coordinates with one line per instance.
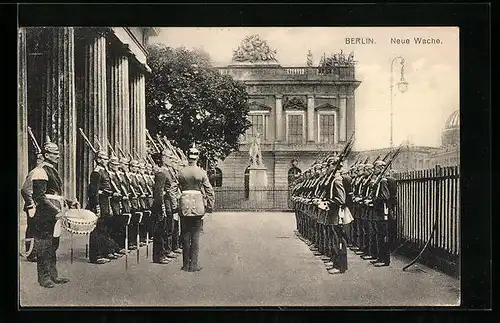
(248, 259)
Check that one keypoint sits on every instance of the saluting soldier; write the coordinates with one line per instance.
(196, 191)
(102, 248)
(47, 193)
(29, 208)
(164, 204)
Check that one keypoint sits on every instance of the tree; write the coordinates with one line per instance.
(189, 101)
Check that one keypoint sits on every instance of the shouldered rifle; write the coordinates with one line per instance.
(387, 165)
(343, 155)
(148, 136)
(87, 141)
(38, 150)
(134, 193)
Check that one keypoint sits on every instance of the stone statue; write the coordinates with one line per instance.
(309, 59)
(255, 152)
(254, 49)
(350, 58)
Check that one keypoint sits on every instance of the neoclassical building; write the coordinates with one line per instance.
(300, 112)
(89, 78)
(449, 152)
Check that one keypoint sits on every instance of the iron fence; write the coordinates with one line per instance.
(428, 201)
(237, 199)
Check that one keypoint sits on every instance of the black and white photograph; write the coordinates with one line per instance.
(239, 166)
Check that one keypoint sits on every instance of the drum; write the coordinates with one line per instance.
(79, 221)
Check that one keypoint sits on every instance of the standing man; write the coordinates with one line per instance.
(193, 181)
(29, 208)
(164, 204)
(101, 247)
(381, 208)
(337, 199)
(49, 203)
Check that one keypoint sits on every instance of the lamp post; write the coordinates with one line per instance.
(402, 87)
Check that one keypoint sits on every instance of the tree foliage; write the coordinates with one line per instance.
(189, 102)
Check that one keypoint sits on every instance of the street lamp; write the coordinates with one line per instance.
(402, 87)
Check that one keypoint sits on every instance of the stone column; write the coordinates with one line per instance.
(142, 114)
(94, 108)
(350, 115)
(279, 114)
(134, 113)
(119, 101)
(59, 109)
(310, 118)
(22, 98)
(342, 117)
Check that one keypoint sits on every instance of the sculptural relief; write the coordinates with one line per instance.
(254, 49)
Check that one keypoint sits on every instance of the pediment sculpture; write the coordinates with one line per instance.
(254, 49)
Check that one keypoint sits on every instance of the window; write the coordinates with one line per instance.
(327, 127)
(295, 128)
(259, 125)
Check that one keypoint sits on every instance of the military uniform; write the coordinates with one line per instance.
(164, 203)
(102, 247)
(196, 191)
(47, 190)
(337, 203)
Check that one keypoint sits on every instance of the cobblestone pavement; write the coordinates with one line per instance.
(249, 259)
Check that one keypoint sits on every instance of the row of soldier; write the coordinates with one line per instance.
(135, 203)
(338, 208)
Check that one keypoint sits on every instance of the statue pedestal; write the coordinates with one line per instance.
(257, 183)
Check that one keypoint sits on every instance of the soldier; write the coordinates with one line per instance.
(101, 247)
(393, 203)
(118, 220)
(370, 252)
(148, 193)
(47, 190)
(347, 182)
(139, 204)
(381, 208)
(337, 200)
(174, 167)
(164, 204)
(133, 201)
(29, 208)
(192, 182)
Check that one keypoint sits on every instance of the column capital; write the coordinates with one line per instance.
(310, 96)
(278, 96)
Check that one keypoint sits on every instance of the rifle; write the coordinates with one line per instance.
(98, 143)
(127, 175)
(87, 141)
(148, 136)
(112, 150)
(38, 150)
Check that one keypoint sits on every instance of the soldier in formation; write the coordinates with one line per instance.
(338, 207)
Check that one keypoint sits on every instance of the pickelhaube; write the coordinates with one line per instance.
(193, 153)
(102, 154)
(124, 161)
(380, 163)
(113, 160)
(368, 166)
(134, 163)
(50, 147)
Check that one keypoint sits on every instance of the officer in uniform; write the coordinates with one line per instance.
(29, 208)
(357, 211)
(101, 247)
(47, 190)
(174, 167)
(164, 204)
(148, 193)
(128, 180)
(196, 191)
(347, 183)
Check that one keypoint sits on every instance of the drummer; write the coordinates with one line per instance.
(47, 187)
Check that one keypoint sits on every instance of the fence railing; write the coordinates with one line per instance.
(428, 198)
(233, 199)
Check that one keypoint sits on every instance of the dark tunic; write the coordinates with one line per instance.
(46, 180)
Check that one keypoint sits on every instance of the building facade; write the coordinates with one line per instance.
(88, 78)
(299, 112)
(449, 152)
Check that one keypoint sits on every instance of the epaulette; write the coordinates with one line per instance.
(39, 174)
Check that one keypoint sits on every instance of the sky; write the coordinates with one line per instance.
(431, 70)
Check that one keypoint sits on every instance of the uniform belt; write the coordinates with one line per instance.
(191, 192)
